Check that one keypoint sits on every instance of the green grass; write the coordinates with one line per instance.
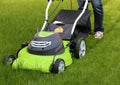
(100, 66)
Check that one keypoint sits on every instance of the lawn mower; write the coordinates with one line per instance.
(52, 48)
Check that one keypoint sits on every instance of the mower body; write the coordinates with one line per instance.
(44, 54)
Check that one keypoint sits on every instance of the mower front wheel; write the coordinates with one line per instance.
(58, 66)
(8, 59)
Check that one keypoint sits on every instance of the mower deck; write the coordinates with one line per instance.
(43, 63)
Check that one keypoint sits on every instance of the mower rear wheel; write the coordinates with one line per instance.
(8, 59)
(59, 66)
(80, 48)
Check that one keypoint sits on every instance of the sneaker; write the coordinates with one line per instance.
(98, 35)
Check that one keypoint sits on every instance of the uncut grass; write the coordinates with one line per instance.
(100, 65)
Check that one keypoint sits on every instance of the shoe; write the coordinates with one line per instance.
(98, 35)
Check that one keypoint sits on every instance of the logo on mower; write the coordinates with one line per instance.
(40, 44)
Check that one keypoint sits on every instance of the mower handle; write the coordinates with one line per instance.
(79, 16)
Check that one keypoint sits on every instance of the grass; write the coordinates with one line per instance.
(100, 66)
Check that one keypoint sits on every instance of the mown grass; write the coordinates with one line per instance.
(100, 66)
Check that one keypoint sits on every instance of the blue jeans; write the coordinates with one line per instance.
(98, 13)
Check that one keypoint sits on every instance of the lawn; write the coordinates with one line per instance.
(100, 66)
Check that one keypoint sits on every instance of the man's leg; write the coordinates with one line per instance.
(98, 15)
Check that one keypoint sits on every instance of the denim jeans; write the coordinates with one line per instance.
(98, 13)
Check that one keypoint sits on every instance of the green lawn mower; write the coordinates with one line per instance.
(52, 48)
